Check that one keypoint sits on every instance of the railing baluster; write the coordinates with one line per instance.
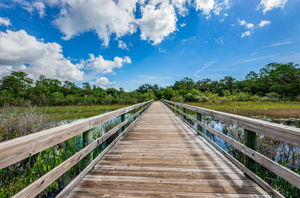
(184, 110)
(251, 142)
(199, 117)
(122, 119)
(87, 139)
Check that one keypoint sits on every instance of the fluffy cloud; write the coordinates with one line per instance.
(245, 34)
(103, 82)
(22, 52)
(208, 6)
(244, 23)
(36, 6)
(267, 5)
(4, 21)
(39, 7)
(122, 45)
(264, 23)
(106, 17)
(251, 27)
(157, 22)
(248, 26)
(180, 5)
(156, 19)
(205, 5)
(100, 65)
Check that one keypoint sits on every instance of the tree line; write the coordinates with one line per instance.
(275, 81)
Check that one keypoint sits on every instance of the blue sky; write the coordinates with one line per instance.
(127, 43)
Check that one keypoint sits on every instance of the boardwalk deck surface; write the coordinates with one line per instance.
(161, 157)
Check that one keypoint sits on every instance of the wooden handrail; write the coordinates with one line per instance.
(43, 182)
(15, 150)
(283, 133)
(273, 166)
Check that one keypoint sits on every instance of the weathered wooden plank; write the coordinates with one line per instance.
(96, 193)
(170, 174)
(166, 169)
(219, 188)
(210, 182)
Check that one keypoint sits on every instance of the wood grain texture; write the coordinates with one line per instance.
(160, 157)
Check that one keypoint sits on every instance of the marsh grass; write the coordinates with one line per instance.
(19, 121)
(257, 109)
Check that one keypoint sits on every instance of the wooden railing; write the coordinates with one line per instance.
(15, 150)
(283, 133)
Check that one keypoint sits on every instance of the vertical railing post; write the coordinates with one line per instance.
(87, 139)
(251, 142)
(184, 111)
(199, 118)
(123, 127)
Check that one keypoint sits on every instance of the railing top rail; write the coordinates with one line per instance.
(17, 149)
(284, 133)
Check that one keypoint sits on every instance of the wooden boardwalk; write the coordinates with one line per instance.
(161, 157)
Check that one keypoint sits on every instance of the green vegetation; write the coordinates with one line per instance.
(17, 89)
(274, 82)
(273, 110)
(19, 121)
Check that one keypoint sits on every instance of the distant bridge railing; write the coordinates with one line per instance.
(18, 149)
(283, 133)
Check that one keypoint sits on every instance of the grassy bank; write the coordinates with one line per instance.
(20, 121)
(257, 109)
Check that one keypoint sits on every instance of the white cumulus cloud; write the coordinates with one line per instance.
(34, 6)
(264, 23)
(4, 21)
(103, 82)
(155, 19)
(244, 23)
(22, 52)
(245, 34)
(105, 17)
(181, 6)
(267, 5)
(209, 6)
(157, 22)
(100, 65)
(122, 45)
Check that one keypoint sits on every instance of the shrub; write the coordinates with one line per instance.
(273, 96)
